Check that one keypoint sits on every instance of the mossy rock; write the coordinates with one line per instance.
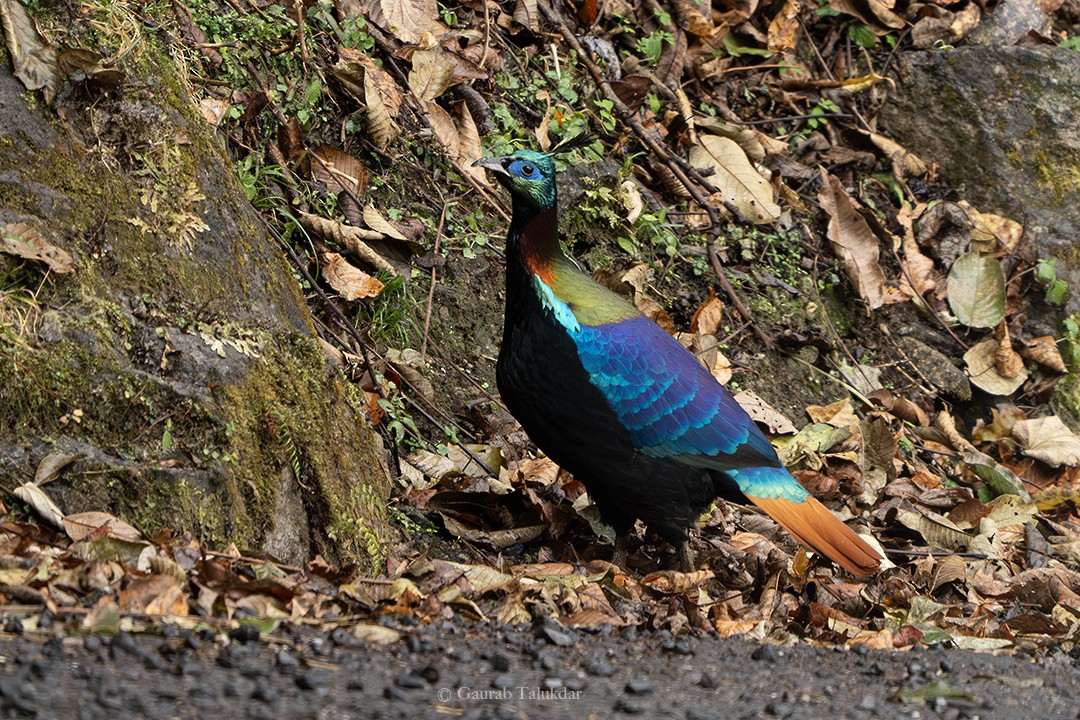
(177, 372)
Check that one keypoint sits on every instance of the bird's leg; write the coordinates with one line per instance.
(621, 550)
(686, 557)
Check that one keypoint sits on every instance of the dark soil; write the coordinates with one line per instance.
(462, 670)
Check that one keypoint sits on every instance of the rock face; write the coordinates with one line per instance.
(1002, 122)
(175, 378)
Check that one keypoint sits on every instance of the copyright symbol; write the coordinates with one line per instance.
(444, 694)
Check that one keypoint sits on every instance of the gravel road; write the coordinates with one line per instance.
(454, 669)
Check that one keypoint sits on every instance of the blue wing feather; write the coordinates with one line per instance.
(669, 403)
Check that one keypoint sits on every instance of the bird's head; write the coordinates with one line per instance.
(528, 175)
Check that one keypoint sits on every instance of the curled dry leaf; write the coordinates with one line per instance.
(877, 14)
(42, 504)
(853, 242)
(993, 233)
(739, 182)
(349, 237)
(21, 240)
(982, 369)
(708, 318)
(1044, 351)
(349, 281)
(1048, 439)
(1007, 362)
(900, 157)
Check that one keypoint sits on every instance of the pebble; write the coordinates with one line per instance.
(640, 687)
(628, 706)
(767, 653)
(460, 655)
(708, 682)
(264, 692)
(410, 681)
(500, 662)
(307, 681)
(286, 661)
(598, 666)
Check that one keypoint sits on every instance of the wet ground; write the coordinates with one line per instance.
(490, 671)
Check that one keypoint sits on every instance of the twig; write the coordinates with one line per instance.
(431, 288)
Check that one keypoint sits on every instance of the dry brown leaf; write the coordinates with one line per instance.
(21, 240)
(469, 148)
(376, 221)
(762, 412)
(993, 233)
(350, 282)
(1048, 439)
(339, 171)
(783, 27)
(838, 414)
(709, 317)
(739, 182)
(432, 70)
(381, 125)
(81, 526)
(981, 368)
(853, 242)
(1044, 351)
(527, 14)
(901, 157)
(154, 595)
(1007, 362)
(689, 17)
(443, 127)
(42, 504)
(670, 582)
(33, 58)
(349, 237)
(877, 14)
(407, 20)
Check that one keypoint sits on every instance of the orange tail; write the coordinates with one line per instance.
(817, 528)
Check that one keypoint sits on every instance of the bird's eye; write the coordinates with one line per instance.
(527, 170)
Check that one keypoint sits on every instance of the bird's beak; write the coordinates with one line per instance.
(494, 164)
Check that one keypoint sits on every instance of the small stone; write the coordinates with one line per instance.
(767, 653)
(460, 655)
(628, 706)
(229, 690)
(598, 666)
(92, 643)
(500, 662)
(286, 661)
(395, 693)
(307, 681)
(708, 681)
(410, 681)
(780, 710)
(264, 692)
(640, 687)
(502, 681)
(861, 649)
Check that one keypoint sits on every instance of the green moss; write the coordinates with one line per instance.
(168, 436)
